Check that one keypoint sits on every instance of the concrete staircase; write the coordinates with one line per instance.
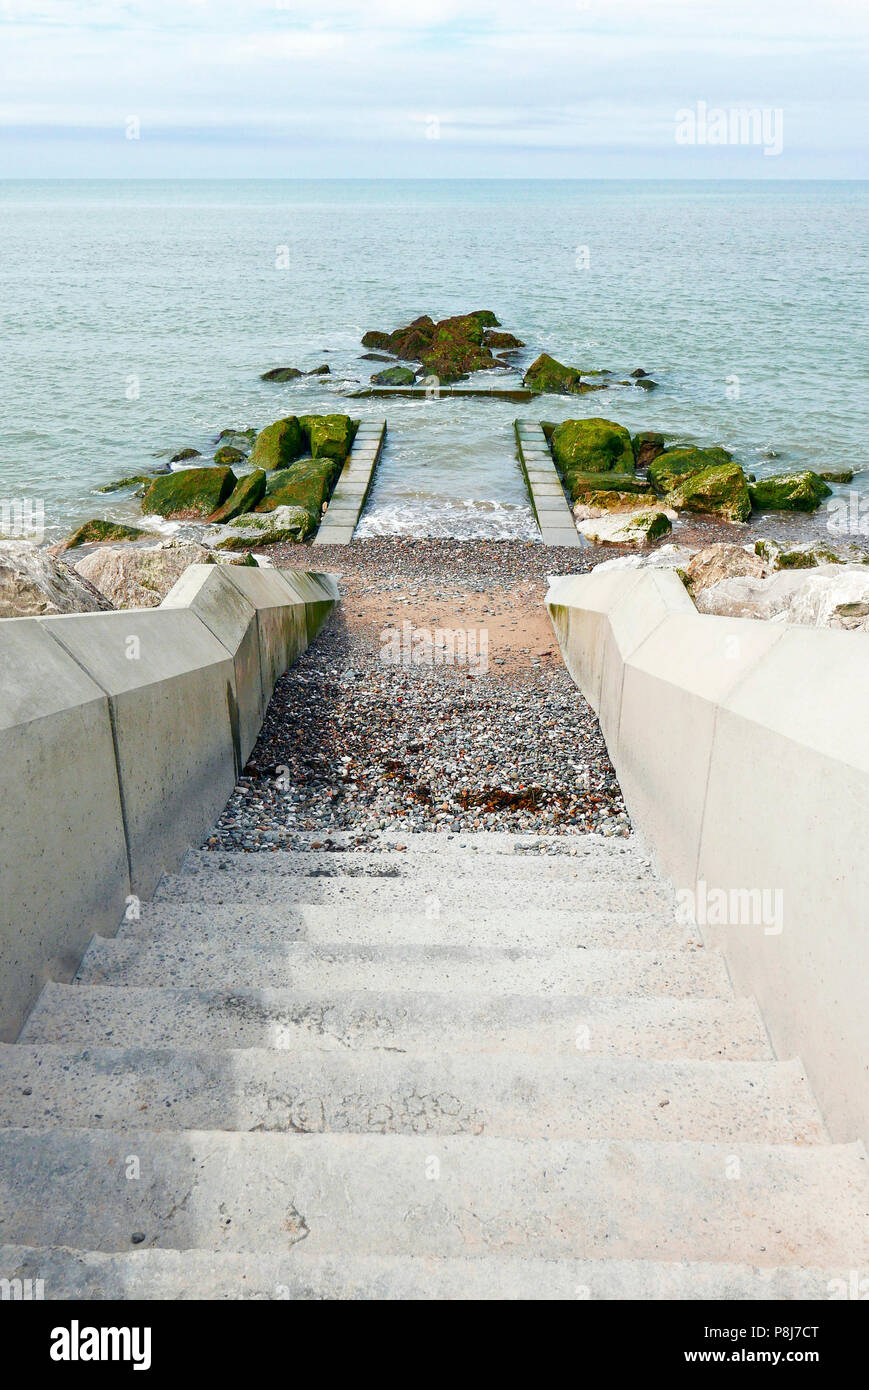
(487, 1066)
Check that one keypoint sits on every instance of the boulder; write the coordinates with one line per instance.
(790, 492)
(375, 339)
(140, 577)
(837, 475)
(719, 491)
(673, 557)
(228, 454)
(184, 454)
(547, 374)
(394, 376)
(504, 341)
(486, 318)
(598, 503)
(721, 561)
(668, 468)
(328, 436)
(582, 485)
(646, 383)
(193, 493)
(247, 492)
(34, 584)
(324, 370)
(239, 439)
(813, 598)
(456, 348)
(279, 444)
(258, 529)
(592, 446)
(647, 446)
(135, 480)
(808, 555)
(281, 374)
(98, 532)
(307, 484)
(636, 528)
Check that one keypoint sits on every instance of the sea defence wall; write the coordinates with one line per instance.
(123, 734)
(742, 749)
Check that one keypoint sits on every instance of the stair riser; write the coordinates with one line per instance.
(192, 1274)
(554, 868)
(395, 895)
(356, 1195)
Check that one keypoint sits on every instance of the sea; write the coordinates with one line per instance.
(138, 316)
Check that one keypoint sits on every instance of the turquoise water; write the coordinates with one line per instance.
(137, 316)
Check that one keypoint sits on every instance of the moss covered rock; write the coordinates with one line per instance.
(281, 374)
(97, 531)
(239, 439)
(582, 485)
(377, 340)
(194, 492)
(647, 446)
(547, 374)
(184, 454)
(135, 480)
(327, 436)
(486, 318)
(790, 492)
(257, 528)
(592, 446)
(492, 339)
(394, 376)
(279, 444)
(837, 475)
(456, 349)
(227, 453)
(667, 469)
(243, 498)
(720, 491)
(307, 484)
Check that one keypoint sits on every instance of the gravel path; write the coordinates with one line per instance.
(351, 742)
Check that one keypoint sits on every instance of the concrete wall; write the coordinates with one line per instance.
(742, 748)
(122, 738)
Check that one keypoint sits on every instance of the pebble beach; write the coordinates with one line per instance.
(354, 744)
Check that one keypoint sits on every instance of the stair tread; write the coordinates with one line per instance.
(407, 1092)
(358, 1194)
(242, 1017)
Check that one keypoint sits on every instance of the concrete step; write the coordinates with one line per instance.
(249, 924)
(619, 893)
(603, 857)
(406, 1093)
(455, 969)
(218, 1275)
(347, 1194)
(551, 1026)
(500, 842)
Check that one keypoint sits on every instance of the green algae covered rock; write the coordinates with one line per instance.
(184, 454)
(639, 528)
(592, 446)
(456, 349)
(257, 528)
(279, 444)
(501, 341)
(547, 374)
(281, 374)
(667, 469)
(328, 436)
(790, 492)
(581, 484)
(647, 446)
(191, 493)
(720, 491)
(244, 497)
(228, 453)
(135, 480)
(97, 530)
(394, 376)
(307, 484)
(377, 340)
(837, 475)
(486, 318)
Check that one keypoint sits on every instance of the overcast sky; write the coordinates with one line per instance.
(427, 88)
